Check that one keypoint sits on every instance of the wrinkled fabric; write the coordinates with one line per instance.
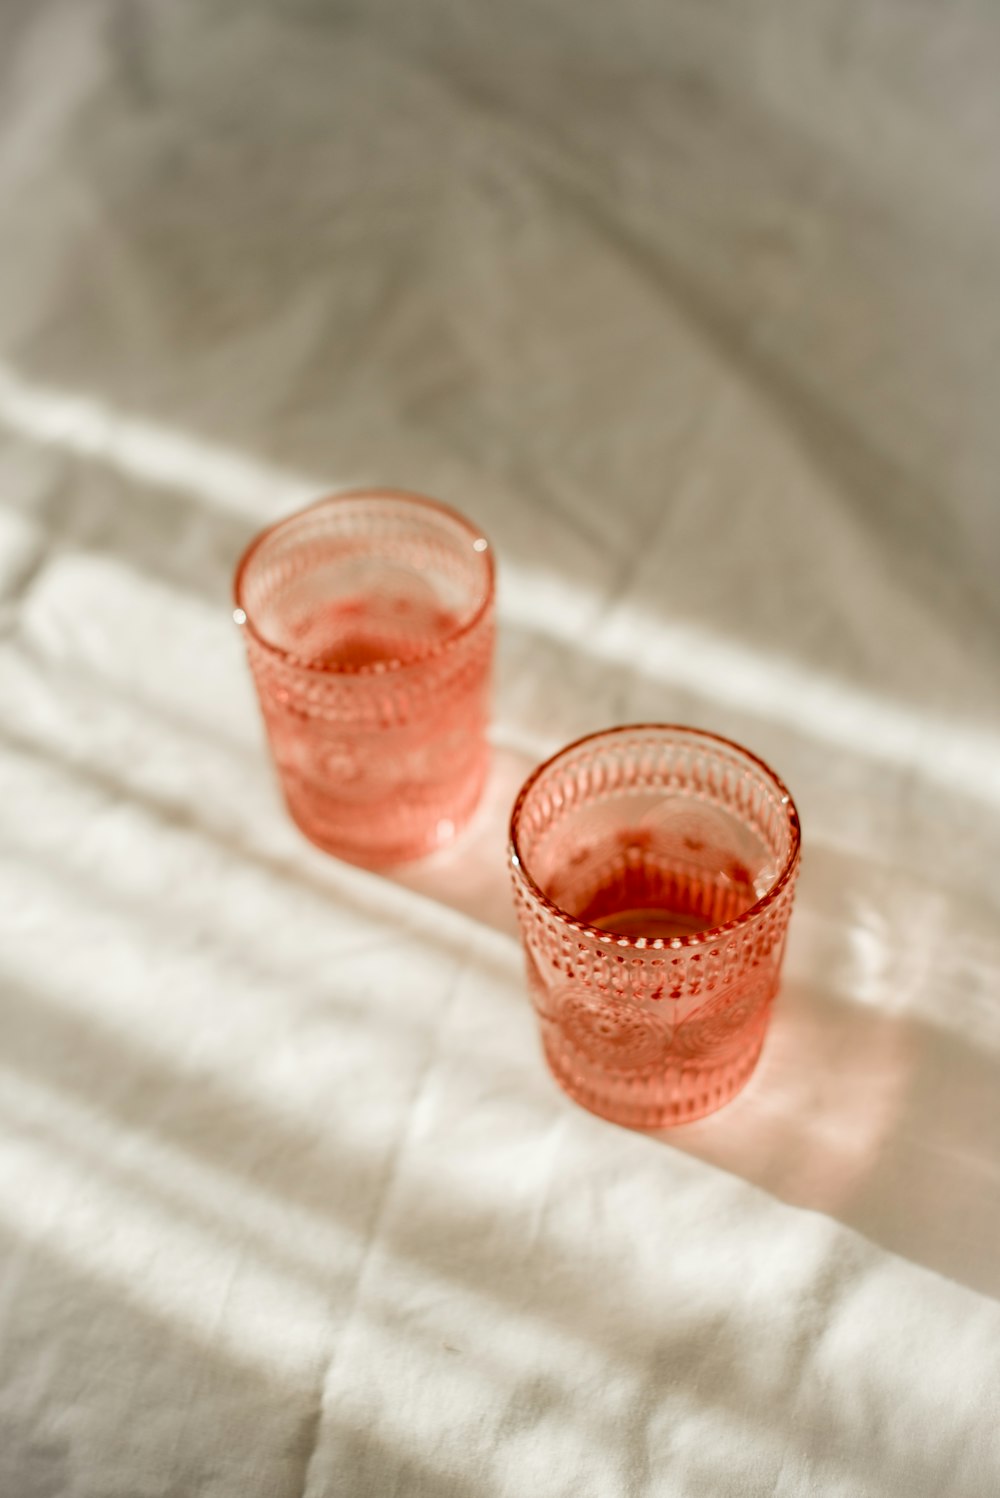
(697, 311)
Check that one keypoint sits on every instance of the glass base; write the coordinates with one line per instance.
(380, 835)
(675, 1094)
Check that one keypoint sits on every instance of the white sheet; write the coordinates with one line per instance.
(698, 313)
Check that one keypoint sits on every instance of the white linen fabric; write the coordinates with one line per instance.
(697, 310)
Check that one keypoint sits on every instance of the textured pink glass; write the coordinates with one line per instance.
(654, 869)
(369, 626)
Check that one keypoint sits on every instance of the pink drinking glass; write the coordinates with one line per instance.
(654, 870)
(369, 626)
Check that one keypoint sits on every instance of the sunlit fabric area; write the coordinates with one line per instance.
(695, 310)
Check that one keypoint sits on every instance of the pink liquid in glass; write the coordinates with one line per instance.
(653, 871)
(371, 645)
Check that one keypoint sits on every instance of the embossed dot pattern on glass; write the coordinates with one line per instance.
(654, 871)
(369, 626)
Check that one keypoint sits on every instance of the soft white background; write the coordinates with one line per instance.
(697, 309)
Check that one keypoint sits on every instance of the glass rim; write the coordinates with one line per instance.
(656, 943)
(372, 668)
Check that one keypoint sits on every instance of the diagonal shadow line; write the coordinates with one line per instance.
(644, 695)
(113, 787)
(24, 1008)
(271, 1418)
(238, 951)
(760, 1172)
(327, 1180)
(193, 546)
(339, 881)
(645, 699)
(138, 696)
(425, 1245)
(708, 1355)
(639, 697)
(85, 1314)
(469, 877)
(169, 556)
(175, 814)
(79, 1044)
(871, 1160)
(38, 1029)
(969, 904)
(385, 1185)
(979, 1079)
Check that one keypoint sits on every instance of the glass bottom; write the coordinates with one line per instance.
(677, 1093)
(378, 834)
